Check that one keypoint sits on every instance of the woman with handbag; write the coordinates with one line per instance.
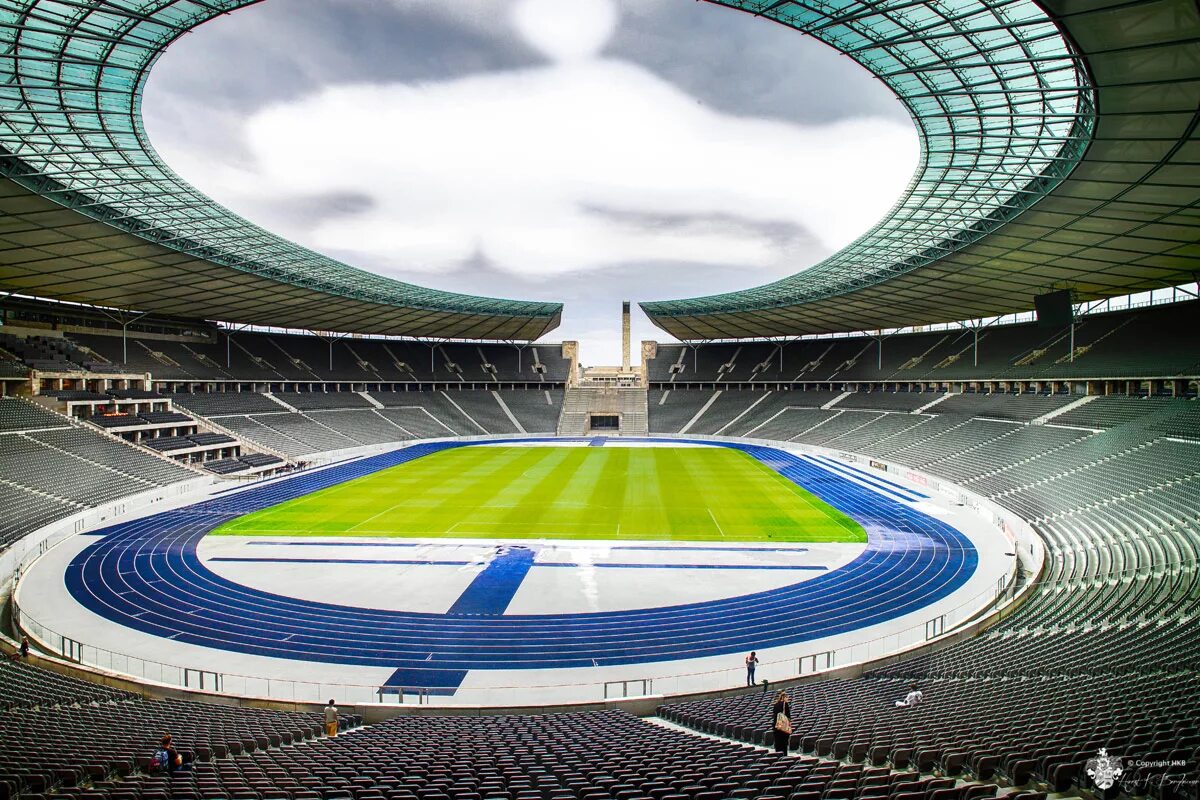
(781, 715)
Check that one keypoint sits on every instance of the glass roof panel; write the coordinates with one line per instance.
(1003, 108)
(71, 75)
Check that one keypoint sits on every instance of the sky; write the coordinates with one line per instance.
(584, 151)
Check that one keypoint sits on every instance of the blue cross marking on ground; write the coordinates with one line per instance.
(494, 588)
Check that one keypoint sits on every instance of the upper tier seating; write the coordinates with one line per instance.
(46, 353)
(1109, 345)
(274, 357)
(10, 365)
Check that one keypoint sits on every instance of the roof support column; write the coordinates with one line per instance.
(228, 343)
(124, 319)
(330, 338)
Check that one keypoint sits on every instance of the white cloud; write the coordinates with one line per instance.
(514, 165)
(566, 31)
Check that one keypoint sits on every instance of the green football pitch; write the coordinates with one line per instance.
(652, 493)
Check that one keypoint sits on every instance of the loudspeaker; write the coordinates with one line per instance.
(1054, 309)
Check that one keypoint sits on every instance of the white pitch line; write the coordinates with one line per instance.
(375, 516)
(714, 519)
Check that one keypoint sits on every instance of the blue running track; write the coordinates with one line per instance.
(146, 575)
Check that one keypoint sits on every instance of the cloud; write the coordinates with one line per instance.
(542, 170)
(566, 31)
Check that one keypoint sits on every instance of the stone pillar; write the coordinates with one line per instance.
(625, 336)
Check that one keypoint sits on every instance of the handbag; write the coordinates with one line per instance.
(782, 723)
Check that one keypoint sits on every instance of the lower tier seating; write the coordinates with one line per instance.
(93, 750)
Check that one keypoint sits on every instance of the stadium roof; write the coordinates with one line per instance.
(91, 214)
(1059, 150)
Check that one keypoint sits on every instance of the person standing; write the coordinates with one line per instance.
(331, 719)
(781, 717)
(751, 663)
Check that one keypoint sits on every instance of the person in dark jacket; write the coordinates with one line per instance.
(781, 722)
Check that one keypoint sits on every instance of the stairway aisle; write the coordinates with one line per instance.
(580, 403)
(573, 421)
